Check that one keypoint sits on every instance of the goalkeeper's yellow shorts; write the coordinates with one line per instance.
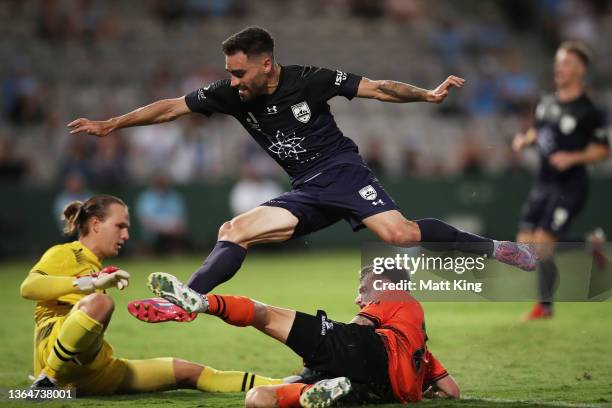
(100, 373)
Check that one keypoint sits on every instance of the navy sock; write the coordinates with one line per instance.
(547, 278)
(222, 263)
(440, 236)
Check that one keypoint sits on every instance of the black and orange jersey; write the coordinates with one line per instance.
(411, 365)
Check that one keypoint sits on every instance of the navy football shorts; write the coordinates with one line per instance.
(553, 207)
(347, 191)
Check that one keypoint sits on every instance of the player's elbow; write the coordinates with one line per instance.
(454, 393)
(451, 388)
(177, 108)
(28, 290)
(172, 109)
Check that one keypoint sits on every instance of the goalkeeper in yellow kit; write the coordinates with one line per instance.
(73, 311)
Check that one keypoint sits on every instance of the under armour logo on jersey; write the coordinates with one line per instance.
(287, 145)
(272, 109)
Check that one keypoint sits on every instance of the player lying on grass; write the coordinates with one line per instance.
(285, 109)
(73, 312)
(380, 356)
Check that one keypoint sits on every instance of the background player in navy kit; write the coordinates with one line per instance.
(284, 108)
(570, 132)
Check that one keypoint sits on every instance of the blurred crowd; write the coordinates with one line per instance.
(93, 58)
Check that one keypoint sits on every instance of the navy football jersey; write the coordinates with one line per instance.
(567, 126)
(294, 125)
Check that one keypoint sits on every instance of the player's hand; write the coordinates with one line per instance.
(519, 142)
(91, 127)
(562, 160)
(441, 92)
(109, 277)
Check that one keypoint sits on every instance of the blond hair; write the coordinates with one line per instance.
(77, 213)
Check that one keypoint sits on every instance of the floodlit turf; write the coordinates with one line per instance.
(497, 360)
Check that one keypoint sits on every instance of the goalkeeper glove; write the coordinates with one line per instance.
(109, 277)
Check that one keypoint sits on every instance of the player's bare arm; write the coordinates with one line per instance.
(593, 153)
(164, 110)
(364, 321)
(399, 92)
(445, 388)
(522, 140)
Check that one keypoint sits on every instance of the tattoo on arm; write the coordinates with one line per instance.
(403, 92)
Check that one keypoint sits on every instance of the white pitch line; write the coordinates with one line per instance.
(543, 403)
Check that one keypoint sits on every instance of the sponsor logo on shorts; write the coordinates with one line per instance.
(378, 202)
(368, 193)
(301, 111)
(560, 217)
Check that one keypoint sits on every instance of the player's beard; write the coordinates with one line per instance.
(253, 91)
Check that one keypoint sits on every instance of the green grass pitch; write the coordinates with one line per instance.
(497, 360)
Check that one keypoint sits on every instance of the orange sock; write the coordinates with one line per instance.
(235, 310)
(288, 396)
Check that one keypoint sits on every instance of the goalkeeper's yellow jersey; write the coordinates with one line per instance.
(50, 281)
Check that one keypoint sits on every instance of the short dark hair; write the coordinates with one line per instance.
(580, 49)
(392, 275)
(252, 40)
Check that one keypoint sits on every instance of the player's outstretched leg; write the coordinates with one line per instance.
(159, 310)
(393, 228)
(511, 253)
(260, 225)
(170, 288)
(321, 394)
(235, 310)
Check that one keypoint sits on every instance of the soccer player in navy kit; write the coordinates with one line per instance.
(284, 108)
(569, 132)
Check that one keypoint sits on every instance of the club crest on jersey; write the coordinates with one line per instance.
(567, 124)
(368, 193)
(301, 111)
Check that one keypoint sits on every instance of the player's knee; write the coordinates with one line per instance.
(233, 231)
(186, 373)
(98, 306)
(224, 230)
(260, 397)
